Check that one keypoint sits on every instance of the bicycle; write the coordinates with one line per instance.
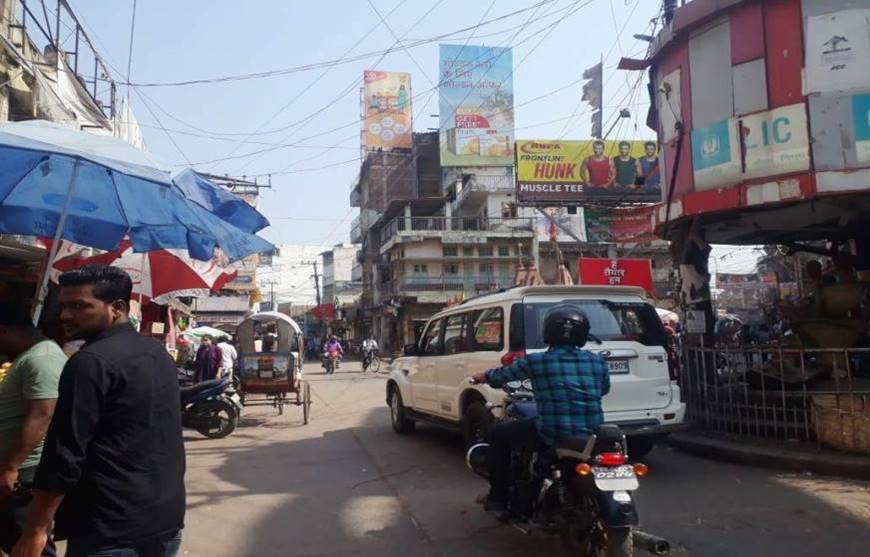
(372, 361)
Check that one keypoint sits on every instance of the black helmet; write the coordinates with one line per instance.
(566, 325)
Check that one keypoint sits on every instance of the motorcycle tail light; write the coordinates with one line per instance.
(583, 469)
(641, 469)
(611, 459)
(509, 358)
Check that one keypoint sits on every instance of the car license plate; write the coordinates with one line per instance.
(618, 478)
(617, 366)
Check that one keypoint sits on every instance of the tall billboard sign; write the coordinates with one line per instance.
(576, 171)
(476, 106)
(387, 107)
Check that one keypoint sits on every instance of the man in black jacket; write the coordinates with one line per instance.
(112, 471)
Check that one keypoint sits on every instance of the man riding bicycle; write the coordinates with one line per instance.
(568, 384)
(369, 350)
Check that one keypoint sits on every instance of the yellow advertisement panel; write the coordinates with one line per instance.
(559, 170)
(387, 102)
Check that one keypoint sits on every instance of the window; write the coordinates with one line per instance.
(455, 339)
(451, 269)
(468, 251)
(486, 268)
(631, 321)
(484, 251)
(504, 251)
(431, 343)
(487, 328)
(572, 210)
(421, 268)
(450, 251)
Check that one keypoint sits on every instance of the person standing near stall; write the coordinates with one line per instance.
(208, 360)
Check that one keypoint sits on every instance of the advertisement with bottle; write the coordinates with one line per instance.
(476, 106)
(387, 108)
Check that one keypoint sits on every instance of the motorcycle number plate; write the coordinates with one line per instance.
(266, 374)
(618, 478)
(617, 366)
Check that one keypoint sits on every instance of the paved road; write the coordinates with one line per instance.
(346, 485)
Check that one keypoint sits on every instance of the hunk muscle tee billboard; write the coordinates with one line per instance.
(573, 171)
(387, 106)
(476, 105)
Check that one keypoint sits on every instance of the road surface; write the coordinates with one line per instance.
(347, 485)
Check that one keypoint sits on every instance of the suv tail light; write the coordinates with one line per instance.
(611, 459)
(509, 358)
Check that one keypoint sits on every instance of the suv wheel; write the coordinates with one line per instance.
(401, 424)
(476, 423)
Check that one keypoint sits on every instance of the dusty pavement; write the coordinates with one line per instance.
(347, 485)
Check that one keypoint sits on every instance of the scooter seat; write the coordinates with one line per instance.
(211, 384)
(577, 443)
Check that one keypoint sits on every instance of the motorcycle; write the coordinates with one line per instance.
(211, 407)
(330, 361)
(580, 490)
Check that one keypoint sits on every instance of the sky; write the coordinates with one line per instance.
(220, 127)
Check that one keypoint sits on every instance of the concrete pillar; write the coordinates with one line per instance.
(448, 216)
(408, 217)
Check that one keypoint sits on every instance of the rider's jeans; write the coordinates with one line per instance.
(504, 437)
(159, 547)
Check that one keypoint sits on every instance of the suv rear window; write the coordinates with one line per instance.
(632, 321)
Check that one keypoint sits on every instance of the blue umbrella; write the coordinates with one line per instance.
(93, 190)
(218, 201)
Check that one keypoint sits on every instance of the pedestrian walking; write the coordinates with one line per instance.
(28, 395)
(112, 469)
(229, 357)
(208, 360)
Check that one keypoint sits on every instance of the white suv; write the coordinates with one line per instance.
(430, 382)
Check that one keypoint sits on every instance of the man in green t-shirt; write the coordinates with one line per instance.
(28, 393)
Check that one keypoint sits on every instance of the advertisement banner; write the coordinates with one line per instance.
(715, 155)
(776, 141)
(616, 272)
(620, 226)
(546, 230)
(571, 171)
(387, 102)
(861, 122)
(837, 51)
(476, 105)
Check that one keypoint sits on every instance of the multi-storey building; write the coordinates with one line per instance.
(430, 237)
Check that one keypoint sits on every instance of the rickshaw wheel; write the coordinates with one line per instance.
(306, 403)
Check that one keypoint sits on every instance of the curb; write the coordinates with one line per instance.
(772, 456)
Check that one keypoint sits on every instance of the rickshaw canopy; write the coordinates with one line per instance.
(287, 329)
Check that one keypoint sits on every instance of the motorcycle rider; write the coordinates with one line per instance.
(333, 347)
(568, 384)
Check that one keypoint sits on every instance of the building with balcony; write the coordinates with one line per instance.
(442, 236)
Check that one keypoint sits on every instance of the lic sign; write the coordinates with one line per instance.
(768, 143)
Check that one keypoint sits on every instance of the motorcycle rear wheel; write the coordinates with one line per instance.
(227, 422)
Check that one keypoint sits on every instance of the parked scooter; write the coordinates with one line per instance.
(580, 490)
(211, 407)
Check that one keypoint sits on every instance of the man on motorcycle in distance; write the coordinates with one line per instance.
(333, 346)
(568, 383)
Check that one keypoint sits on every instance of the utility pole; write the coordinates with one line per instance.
(317, 283)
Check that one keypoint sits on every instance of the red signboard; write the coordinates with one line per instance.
(324, 312)
(616, 272)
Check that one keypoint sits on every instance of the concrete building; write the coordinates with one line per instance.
(430, 236)
(338, 264)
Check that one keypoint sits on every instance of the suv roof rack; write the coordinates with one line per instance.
(490, 293)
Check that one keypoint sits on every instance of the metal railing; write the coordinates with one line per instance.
(53, 25)
(441, 224)
(774, 392)
(449, 283)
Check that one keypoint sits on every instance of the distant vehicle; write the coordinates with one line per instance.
(430, 382)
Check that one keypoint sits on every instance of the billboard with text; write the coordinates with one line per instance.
(574, 171)
(387, 106)
(476, 105)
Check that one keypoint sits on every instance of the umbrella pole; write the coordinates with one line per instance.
(39, 303)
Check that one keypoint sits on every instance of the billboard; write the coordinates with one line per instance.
(476, 105)
(546, 230)
(387, 104)
(616, 272)
(574, 171)
(620, 226)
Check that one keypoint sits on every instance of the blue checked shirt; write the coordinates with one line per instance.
(568, 384)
